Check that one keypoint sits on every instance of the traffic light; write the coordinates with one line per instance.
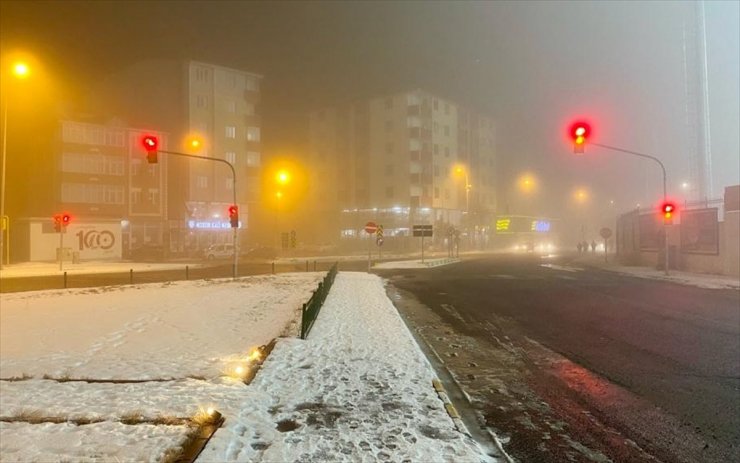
(150, 143)
(234, 216)
(579, 132)
(61, 221)
(668, 209)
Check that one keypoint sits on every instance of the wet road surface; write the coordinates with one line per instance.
(567, 363)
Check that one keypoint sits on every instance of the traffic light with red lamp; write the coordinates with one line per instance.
(151, 143)
(579, 132)
(234, 216)
(61, 221)
(668, 209)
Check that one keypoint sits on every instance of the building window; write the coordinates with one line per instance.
(201, 74)
(153, 196)
(253, 159)
(201, 101)
(253, 84)
(447, 151)
(230, 131)
(231, 106)
(135, 166)
(389, 169)
(230, 157)
(135, 195)
(389, 192)
(201, 181)
(253, 134)
(447, 193)
(152, 170)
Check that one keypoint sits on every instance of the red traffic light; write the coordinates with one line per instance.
(579, 133)
(150, 143)
(234, 216)
(65, 219)
(668, 209)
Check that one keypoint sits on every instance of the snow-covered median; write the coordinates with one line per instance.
(359, 389)
(189, 332)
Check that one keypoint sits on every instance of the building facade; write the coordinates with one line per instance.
(219, 107)
(403, 159)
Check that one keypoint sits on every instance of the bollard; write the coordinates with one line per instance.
(65, 280)
(187, 272)
(314, 266)
(307, 266)
(131, 276)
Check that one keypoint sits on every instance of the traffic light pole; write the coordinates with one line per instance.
(233, 174)
(665, 192)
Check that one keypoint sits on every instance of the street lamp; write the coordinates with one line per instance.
(20, 71)
(527, 183)
(461, 171)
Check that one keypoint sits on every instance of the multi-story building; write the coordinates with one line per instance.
(403, 159)
(97, 175)
(217, 105)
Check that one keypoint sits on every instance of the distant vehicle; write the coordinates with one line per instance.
(219, 251)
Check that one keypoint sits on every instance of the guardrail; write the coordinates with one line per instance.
(313, 306)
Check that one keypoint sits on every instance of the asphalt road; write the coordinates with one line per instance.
(568, 363)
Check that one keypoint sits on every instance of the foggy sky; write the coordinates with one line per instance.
(532, 65)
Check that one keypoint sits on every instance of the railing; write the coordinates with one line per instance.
(313, 306)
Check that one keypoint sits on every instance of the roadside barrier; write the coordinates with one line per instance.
(313, 306)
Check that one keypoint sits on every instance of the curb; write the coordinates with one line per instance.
(451, 410)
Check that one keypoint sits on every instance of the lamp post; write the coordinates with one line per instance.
(21, 71)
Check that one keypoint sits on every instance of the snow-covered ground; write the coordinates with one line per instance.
(359, 389)
(188, 333)
(685, 278)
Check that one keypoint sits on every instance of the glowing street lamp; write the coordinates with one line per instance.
(21, 70)
(527, 183)
(461, 172)
(282, 177)
(581, 195)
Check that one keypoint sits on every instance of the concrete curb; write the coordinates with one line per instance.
(438, 262)
(451, 410)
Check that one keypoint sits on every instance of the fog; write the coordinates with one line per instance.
(534, 67)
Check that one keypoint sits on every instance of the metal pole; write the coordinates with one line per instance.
(665, 192)
(233, 174)
(61, 247)
(2, 183)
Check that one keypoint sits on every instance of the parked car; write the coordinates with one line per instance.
(218, 251)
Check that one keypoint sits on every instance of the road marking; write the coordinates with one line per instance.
(561, 267)
(504, 277)
(450, 309)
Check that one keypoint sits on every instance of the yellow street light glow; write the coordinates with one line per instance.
(282, 177)
(581, 195)
(21, 70)
(239, 370)
(527, 183)
(279, 194)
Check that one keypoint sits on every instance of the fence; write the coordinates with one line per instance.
(313, 306)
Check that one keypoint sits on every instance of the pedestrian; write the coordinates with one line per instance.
(593, 246)
(580, 248)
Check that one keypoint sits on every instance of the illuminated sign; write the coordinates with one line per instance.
(540, 226)
(503, 224)
(210, 225)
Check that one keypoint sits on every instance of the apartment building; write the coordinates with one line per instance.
(98, 175)
(403, 159)
(218, 106)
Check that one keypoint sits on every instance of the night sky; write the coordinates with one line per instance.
(532, 65)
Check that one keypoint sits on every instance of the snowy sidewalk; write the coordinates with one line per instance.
(359, 389)
(685, 278)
